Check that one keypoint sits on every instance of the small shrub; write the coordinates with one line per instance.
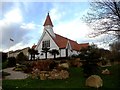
(20, 68)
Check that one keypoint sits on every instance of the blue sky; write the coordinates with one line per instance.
(23, 22)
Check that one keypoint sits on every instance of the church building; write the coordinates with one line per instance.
(66, 47)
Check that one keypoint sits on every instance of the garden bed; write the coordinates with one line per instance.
(76, 80)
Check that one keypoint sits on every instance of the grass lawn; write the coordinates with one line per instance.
(76, 80)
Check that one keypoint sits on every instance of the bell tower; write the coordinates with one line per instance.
(48, 26)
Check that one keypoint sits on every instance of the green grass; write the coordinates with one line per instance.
(113, 80)
(76, 80)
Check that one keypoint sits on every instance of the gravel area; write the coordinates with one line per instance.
(15, 74)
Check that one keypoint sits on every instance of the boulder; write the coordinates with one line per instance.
(106, 71)
(94, 81)
(64, 74)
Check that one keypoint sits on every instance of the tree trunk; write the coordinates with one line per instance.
(54, 56)
(31, 56)
(66, 52)
(45, 55)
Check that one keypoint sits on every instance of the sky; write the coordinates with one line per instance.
(23, 22)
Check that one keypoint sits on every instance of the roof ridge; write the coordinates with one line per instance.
(83, 43)
(66, 38)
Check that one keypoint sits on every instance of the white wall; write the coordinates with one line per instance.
(75, 52)
(62, 52)
(69, 53)
(52, 46)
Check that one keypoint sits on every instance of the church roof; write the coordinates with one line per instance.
(62, 42)
(34, 46)
(48, 21)
(83, 45)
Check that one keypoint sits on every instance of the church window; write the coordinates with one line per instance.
(46, 44)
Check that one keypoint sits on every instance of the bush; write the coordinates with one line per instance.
(104, 62)
(4, 64)
(29, 68)
(21, 58)
(90, 69)
(4, 57)
(11, 62)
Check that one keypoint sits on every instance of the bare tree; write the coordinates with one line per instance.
(115, 51)
(104, 18)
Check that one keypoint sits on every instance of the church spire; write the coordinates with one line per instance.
(48, 21)
(48, 26)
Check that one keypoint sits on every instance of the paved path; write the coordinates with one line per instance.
(15, 74)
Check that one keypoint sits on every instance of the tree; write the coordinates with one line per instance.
(54, 52)
(32, 53)
(21, 58)
(11, 61)
(115, 51)
(45, 50)
(90, 56)
(115, 46)
(104, 18)
(4, 56)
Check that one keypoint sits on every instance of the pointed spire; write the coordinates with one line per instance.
(48, 21)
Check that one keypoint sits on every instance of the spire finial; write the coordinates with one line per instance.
(48, 12)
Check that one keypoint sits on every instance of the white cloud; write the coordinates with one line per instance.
(79, 31)
(17, 46)
(12, 26)
(14, 16)
(55, 13)
(74, 29)
(29, 26)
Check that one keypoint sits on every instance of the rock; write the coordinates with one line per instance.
(42, 76)
(94, 81)
(56, 74)
(64, 65)
(106, 71)
(64, 74)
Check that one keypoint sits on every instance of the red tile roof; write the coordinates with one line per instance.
(83, 45)
(62, 42)
(48, 21)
